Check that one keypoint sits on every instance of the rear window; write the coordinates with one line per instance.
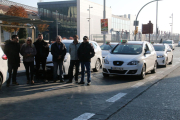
(107, 47)
(168, 42)
(159, 47)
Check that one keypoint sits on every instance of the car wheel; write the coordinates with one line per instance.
(105, 75)
(155, 68)
(143, 72)
(171, 61)
(1, 81)
(166, 63)
(97, 66)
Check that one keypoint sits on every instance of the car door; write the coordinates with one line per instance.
(169, 54)
(153, 55)
(93, 60)
(147, 57)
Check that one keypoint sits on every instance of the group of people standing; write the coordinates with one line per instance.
(80, 53)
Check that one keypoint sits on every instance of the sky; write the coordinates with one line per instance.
(120, 7)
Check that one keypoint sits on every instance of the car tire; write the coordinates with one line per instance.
(171, 61)
(166, 63)
(155, 68)
(1, 81)
(105, 75)
(97, 66)
(143, 72)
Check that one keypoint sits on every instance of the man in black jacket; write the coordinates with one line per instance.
(85, 53)
(41, 56)
(12, 50)
(58, 50)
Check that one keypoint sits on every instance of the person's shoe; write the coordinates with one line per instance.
(89, 83)
(27, 82)
(55, 81)
(69, 82)
(81, 82)
(15, 83)
(62, 80)
(32, 82)
(7, 85)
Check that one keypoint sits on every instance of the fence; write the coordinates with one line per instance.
(139, 37)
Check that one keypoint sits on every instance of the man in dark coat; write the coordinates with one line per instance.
(12, 50)
(58, 51)
(42, 49)
(85, 53)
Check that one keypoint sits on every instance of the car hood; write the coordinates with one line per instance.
(105, 53)
(121, 57)
(160, 52)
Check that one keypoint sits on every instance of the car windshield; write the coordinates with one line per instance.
(132, 49)
(66, 44)
(168, 42)
(159, 47)
(107, 47)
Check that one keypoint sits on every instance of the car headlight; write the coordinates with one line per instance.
(106, 61)
(133, 63)
(160, 56)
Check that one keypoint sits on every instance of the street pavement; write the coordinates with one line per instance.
(115, 97)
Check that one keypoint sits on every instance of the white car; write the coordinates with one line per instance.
(178, 43)
(3, 68)
(164, 54)
(96, 61)
(170, 43)
(106, 48)
(130, 58)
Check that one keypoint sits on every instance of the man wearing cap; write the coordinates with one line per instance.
(85, 53)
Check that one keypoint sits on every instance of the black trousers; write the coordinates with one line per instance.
(14, 68)
(29, 65)
(38, 62)
(73, 63)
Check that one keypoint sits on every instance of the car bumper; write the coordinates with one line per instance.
(127, 69)
(161, 61)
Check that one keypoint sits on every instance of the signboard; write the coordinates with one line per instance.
(147, 28)
(104, 26)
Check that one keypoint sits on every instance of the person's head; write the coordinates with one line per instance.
(29, 41)
(58, 39)
(15, 38)
(40, 36)
(85, 39)
(75, 37)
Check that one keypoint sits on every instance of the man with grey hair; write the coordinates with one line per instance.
(58, 51)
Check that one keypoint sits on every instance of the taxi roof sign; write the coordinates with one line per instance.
(124, 41)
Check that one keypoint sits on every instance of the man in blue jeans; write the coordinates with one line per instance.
(85, 53)
(58, 50)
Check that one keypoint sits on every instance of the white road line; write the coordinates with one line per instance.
(84, 116)
(55, 88)
(159, 72)
(151, 77)
(137, 84)
(116, 97)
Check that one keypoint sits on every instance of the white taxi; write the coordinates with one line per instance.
(130, 58)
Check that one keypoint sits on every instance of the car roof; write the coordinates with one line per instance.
(70, 41)
(135, 42)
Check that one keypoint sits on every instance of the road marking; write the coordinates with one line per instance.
(159, 72)
(55, 88)
(84, 116)
(116, 97)
(151, 77)
(137, 85)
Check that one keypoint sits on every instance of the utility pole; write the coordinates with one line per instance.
(172, 24)
(104, 17)
(156, 19)
(89, 21)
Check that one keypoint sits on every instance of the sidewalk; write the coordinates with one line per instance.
(160, 102)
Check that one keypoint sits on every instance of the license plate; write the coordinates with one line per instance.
(116, 68)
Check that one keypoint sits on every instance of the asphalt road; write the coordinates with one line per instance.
(60, 101)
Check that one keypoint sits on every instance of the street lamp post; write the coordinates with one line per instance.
(140, 11)
(104, 17)
(171, 24)
(56, 23)
(89, 21)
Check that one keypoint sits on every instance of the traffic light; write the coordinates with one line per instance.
(136, 31)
